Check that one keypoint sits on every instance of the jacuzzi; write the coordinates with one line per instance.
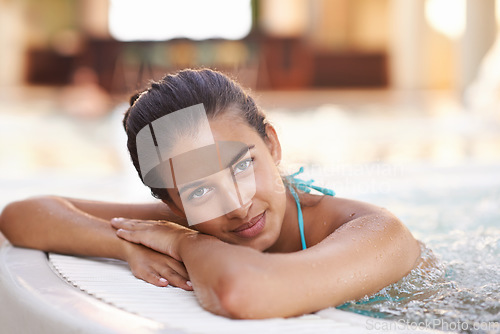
(453, 209)
(101, 296)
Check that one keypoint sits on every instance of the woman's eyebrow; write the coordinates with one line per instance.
(191, 185)
(239, 155)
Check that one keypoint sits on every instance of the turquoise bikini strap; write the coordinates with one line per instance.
(299, 215)
(304, 186)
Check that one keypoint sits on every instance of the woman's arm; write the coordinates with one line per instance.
(51, 223)
(358, 259)
(73, 226)
(76, 226)
(108, 210)
(361, 257)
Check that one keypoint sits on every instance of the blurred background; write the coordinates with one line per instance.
(394, 102)
(359, 90)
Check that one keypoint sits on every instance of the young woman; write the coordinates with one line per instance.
(282, 252)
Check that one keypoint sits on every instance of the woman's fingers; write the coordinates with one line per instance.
(128, 224)
(132, 236)
(163, 276)
(133, 231)
(156, 268)
(163, 237)
(154, 278)
(178, 267)
(159, 240)
(174, 278)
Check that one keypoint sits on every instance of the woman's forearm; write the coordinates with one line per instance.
(142, 211)
(217, 270)
(53, 224)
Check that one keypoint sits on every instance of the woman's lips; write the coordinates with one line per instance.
(253, 227)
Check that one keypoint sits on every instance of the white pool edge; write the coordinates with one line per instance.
(36, 300)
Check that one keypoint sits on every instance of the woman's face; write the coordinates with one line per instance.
(257, 223)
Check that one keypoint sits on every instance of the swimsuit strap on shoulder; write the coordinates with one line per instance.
(299, 215)
(305, 186)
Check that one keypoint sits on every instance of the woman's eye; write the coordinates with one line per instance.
(199, 192)
(242, 166)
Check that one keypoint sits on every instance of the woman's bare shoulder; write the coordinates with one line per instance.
(325, 214)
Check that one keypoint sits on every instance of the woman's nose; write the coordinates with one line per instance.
(240, 212)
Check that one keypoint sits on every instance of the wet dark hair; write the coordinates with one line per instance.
(186, 88)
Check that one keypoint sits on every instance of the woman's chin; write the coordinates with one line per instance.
(266, 240)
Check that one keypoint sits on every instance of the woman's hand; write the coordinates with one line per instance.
(160, 258)
(162, 236)
(156, 268)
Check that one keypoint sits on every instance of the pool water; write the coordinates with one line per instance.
(457, 285)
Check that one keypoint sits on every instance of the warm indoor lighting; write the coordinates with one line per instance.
(497, 6)
(284, 18)
(446, 16)
(157, 20)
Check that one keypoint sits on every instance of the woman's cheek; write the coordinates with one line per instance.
(271, 188)
(279, 187)
(274, 183)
